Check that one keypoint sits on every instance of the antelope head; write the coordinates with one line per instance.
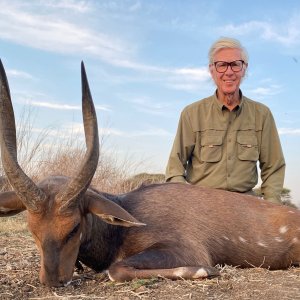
(54, 205)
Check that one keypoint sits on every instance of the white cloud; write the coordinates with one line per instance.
(189, 79)
(148, 105)
(55, 32)
(264, 91)
(110, 132)
(149, 132)
(77, 128)
(159, 132)
(289, 131)
(134, 134)
(287, 34)
(198, 74)
(63, 106)
(26, 98)
(77, 6)
(18, 74)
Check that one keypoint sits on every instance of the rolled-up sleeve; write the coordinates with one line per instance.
(272, 163)
(182, 149)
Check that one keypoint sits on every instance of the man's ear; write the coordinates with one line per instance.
(211, 70)
(245, 68)
(10, 204)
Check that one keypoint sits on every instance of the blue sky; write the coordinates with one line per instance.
(146, 60)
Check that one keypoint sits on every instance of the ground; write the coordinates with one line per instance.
(19, 267)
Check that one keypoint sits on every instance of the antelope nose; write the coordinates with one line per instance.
(52, 282)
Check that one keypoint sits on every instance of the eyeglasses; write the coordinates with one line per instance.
(222, 66)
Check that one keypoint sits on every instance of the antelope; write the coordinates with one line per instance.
(174, 230)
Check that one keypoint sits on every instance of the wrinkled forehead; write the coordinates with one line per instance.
(228, 55)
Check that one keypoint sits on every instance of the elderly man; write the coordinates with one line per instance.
(221, 138)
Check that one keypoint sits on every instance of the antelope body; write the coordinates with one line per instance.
(172, 230)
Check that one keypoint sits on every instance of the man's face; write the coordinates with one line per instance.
(229, 81)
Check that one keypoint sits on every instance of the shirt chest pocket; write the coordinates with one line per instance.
(247, 147)
(211, 148)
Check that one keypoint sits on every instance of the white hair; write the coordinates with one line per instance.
(226, 42)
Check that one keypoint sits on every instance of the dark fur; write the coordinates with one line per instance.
(188, 226)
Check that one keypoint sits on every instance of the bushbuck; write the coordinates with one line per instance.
(173, 230)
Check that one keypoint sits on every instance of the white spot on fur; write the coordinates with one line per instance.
(262, 244)
(291, 212)
(295, 240)
(183, 271)
(179, 272)
(279, 239)
(225, 237)
(283, 229)
(80, 237)
(242, 239)
(201, 273)
(4, 210)
(110, 277)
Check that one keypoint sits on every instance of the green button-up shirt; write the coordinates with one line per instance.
(219, 148)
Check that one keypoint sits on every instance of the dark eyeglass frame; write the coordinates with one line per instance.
(229, 64)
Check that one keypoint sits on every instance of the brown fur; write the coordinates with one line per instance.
(186, 226)
(173, 230)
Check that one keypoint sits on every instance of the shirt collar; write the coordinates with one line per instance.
(221, 106)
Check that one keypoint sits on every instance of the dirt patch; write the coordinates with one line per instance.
(19, 267)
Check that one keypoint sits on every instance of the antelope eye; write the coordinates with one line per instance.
(73, 232)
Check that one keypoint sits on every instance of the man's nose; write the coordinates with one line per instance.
(229, 70)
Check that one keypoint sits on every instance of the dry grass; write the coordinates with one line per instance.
(14, 225)
(41, 155)
(19, 266)
(19, 260)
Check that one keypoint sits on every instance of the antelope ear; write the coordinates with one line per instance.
(10, 204)
(109, 211)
